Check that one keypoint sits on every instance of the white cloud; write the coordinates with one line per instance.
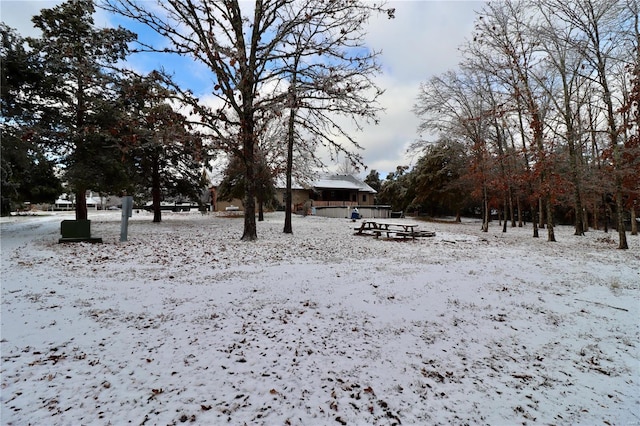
(422, 41)
(424, 36)
(18, 13)
(386, 142)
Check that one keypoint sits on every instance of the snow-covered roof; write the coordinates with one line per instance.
(331, 182)
(342, 182)
(90, 200)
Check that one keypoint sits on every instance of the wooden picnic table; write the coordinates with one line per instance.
(390, 230)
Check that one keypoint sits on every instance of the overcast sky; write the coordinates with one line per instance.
(422, 41)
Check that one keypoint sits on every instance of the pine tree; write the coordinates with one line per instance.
(27, 173)
(77, 58)
(165, 155)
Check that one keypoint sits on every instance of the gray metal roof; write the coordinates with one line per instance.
(342, 182)
(331, 182)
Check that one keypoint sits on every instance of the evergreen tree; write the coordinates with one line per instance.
(373, 180)
(77, 61)
(438, 175)
(165, 155)
(233, 184)
(27, 174)
(396, 190)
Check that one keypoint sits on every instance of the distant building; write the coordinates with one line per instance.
(341, 190)
(328, 196)
(93, 203)
(63, 204)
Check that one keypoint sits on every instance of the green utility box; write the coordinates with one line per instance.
(76, 231)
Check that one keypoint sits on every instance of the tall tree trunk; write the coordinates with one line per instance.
(634, 222)
(260, 210)
(511, 208)
(605, 213)
(81, 204)
(248, 144)
(156, 192)
(288, 197)
(538, 143)
(214, 198)
(485, 208)
(577, 197)
(595, 164)
(500, 143)
(534, 220)
(250, 229)
(505, 209)
(520, 216)
(551, 235)
(518, 202)
(288, 226)
(534, 216)
(574, 167)
(615, 148)
(622, 231)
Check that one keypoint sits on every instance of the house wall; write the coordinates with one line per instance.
(72, 206)
(343, 197)
(299, 198)
(366, 212)
(302, 199)
(366, 199)
(221, 206)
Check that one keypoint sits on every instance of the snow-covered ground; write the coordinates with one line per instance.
(186, 323)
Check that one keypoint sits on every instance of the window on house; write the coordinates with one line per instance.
(364, 198)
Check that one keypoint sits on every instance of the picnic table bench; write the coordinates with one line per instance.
(390, 230)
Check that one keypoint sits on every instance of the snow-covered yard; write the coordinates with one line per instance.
(185, 323)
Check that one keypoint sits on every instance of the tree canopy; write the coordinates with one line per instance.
(27, 173)
(77, 61)
(541, 106)
(248, 49)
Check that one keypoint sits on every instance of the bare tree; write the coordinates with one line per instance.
(330, 75)
(454, 106)
(556, 42)
(558, 78)
(245, 47)
(346, 167)
(505, 48)
(603, 24)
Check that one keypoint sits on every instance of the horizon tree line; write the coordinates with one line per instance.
(107, 128)
(539, 121)
(541, 117)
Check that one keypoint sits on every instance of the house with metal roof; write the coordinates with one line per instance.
(341, 190)
(331, 195)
